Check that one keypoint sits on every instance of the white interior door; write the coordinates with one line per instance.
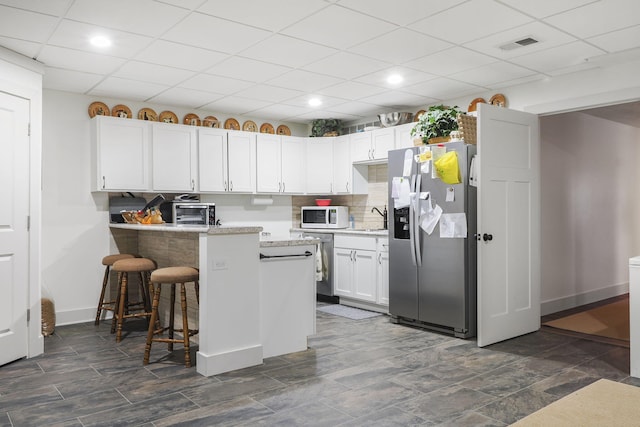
(14, 193)
(508, 224)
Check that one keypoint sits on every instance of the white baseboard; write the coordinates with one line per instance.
(80, 315)
(565, 303)
(213, 364)
(365, 305)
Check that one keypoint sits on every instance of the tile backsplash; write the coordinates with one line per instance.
(359, 205)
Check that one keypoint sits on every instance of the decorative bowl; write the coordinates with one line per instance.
(395, 119)
(323, 202)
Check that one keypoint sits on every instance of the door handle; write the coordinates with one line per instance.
(487, 237)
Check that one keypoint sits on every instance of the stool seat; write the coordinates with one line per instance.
(110, 259)
(109, 305)
(175, 275)
(134, 265)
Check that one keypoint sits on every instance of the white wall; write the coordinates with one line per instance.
(590, 207)
(75, 233)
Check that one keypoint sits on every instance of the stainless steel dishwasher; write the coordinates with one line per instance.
(324, 286)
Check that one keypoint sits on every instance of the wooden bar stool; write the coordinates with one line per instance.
(172, 275)
(110, 305)
(127, 309)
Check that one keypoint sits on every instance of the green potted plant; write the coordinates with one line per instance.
(436, 124)
(326, 127)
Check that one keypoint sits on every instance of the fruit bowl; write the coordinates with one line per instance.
(323, 202)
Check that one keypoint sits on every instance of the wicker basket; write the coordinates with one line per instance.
(468, 125)
(48, 316)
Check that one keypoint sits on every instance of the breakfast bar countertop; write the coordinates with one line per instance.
(188, 228)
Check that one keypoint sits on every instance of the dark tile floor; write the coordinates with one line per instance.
(356, 373)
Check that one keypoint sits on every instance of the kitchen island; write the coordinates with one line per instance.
(238, 319)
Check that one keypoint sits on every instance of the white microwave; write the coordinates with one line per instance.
(324, 217)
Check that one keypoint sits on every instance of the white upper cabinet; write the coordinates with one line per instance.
(403, 135)
(280, 164)
(342, 165)
(294, 162)
(212, 160)
(241, 157)
(319, 165)
(372, 146)
(174, 158)
(120, 154)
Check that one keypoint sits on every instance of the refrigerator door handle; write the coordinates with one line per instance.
(412, 237)
(416, 221)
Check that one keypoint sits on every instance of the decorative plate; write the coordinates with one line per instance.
(121, 110)
(210, 122)
(418, 114)
(99, 109)
(473, 105)
(250, 126)
(267, 128)
(147, 114)
(231, 124)
(283, 130)
(499, 100)
(191, 119)
(168, 117)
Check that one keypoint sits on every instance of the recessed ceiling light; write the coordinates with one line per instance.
(100, 41)
(315, 102)
(394, 79)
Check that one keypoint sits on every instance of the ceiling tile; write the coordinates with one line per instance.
(180, 56)
(398, 100)
(491, 74)
(442, 88)
(185, 4)
(558, 57)
(411, 10)
(351, 90)
(212, 33)
(519, 81)
(141, 16)
(338, 27)
(215, 84)
(271, 15)
(69, 81)
(616, 41)
(357, 108)
(279, 111)
(247, 69)
(410, 76)
(541, 9)
(451, 61)
(305, 81)
(598, 18)
(236, 105)
(460, 24)
(183, 97)
(287, 51)
(269, 93)
(80, 61)
(546, 35)
(346, 65)
(29, 26)
(28, 49)
(160, 74)
(321, 114)
(49, 7)
(401, 45)
(76, 35)
(303, 101)
(134, 90)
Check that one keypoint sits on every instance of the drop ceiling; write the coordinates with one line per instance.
(267, 58)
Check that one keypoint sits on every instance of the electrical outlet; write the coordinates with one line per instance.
(219, 264)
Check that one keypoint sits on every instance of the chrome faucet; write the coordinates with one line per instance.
(383, 214)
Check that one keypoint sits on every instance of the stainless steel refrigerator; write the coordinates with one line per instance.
(432, 279)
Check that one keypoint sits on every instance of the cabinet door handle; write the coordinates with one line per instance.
(347, 186)
(230, 185)
(104, 182)
(283, 186)
(373, 155)
(380, 259)
(225, 185)
(193, 185)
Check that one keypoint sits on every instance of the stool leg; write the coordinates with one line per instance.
(144, 293)
(172, 313)
(121, 307)
(154, 317)
(185, 325)
(101, 301)
(116, 306)
(197, 292)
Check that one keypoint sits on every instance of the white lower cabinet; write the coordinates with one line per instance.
(356, 268)
(382, 257)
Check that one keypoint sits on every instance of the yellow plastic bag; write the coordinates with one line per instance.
(447, 168)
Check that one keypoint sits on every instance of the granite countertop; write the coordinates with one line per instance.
(188, 228)
(357, 231)
(267, 241)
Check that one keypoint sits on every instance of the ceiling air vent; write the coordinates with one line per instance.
(519, 43)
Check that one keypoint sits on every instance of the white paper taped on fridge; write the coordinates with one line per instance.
(400, 192)
(453, 226)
